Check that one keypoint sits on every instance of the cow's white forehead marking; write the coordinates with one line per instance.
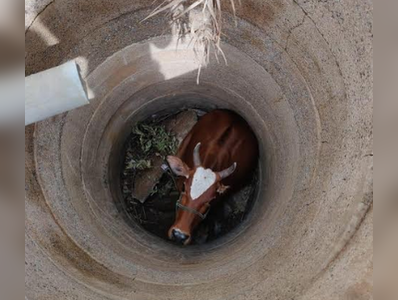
(202, 180)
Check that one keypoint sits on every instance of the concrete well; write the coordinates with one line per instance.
(299, 72)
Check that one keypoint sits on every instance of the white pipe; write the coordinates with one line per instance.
(53, 91)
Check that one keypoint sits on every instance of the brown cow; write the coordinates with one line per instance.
(218, 154)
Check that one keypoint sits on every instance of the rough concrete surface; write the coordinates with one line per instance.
(299, 71)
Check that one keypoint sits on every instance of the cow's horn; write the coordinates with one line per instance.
(225, 173)
(196, 156)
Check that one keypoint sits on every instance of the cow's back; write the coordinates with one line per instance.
(225, 138)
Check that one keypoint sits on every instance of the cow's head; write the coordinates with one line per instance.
(201, 186)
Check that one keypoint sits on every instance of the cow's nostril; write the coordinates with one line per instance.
(179, 236)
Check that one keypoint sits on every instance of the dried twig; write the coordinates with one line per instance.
(204, 22)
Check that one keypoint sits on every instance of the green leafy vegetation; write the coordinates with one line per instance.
(141, 164)
(155, 139)
(148, 142)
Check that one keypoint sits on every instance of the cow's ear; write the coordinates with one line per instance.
(178, 166)
(222, 188)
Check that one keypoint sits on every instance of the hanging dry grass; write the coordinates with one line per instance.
(204, 25)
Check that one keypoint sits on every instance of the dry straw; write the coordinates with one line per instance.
(202, 21)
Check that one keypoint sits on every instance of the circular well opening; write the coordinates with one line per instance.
(249, 91)
(226, 219)
(149, 194)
